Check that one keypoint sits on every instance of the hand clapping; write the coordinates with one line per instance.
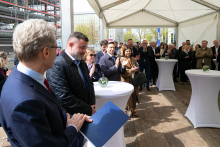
(124, 63)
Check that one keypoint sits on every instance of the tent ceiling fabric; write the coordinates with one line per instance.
(127, 22)
(175, 10)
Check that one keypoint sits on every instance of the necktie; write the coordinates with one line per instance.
(47, 85)
(113, 59)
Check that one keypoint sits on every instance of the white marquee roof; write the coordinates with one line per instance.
(152, 13)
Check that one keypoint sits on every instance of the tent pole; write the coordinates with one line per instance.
(67, 24)
(218, 26)
(100, 26)
(177, 36)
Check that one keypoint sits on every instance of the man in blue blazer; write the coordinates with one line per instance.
(29, 112)
(101, 53)
(144, 62)
(111, 66)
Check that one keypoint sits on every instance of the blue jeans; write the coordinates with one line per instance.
(147, 72)
(79, 141)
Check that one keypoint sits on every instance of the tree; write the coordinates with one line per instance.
(164, 35)
(129, 35)
(119, 35)
(142, 33)
(151, 35)
(91, 30)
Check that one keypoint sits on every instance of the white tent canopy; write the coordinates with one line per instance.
(194, 19)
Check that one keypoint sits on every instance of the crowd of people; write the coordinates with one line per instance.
(50, 111)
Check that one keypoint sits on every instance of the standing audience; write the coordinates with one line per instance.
(204, 55)
(4, 72)
(101, 53)
(155, 54)
(29, 113)
(70, 81)
(127, 77)
(94, 69)
(184, 59)
(133, 49)
(215, 50)
(194, 59)
(144, 62)
(111, 66)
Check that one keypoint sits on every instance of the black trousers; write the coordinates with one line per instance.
(175, 72)
(183, 76)
(154, 72)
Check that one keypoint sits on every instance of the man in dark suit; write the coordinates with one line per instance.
(101, 53)
(70, 81)
(144, 62)
(155, 54)
(111, 66)
(218, 60)
(29, 112)
(179, 51)
(133, 49)
(215, 50)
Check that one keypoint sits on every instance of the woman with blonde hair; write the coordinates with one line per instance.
(131, 68)
(4, 72)
(94, 69)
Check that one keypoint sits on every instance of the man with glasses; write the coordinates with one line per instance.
(70, 81)
(29, 112)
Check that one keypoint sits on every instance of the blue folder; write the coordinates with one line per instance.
(106, 122)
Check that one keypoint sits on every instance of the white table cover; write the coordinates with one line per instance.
(165, 77)
(118, 93)
(216, 64)
(203, 110)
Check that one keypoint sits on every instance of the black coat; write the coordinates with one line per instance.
(68, 86)
(173, 55)
(134, 51)
(153, 56)
(194, 60)
(2, 80)
(214, 57)
(109, 69)
(185, 62)
(97, 74)
(218, 59)
(144, 56)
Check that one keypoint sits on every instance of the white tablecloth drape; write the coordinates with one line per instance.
(118, 93)
(165, 76)
(203, 110)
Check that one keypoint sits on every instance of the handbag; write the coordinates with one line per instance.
(139, 79)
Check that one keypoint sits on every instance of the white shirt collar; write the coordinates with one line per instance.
(109, 54)
(31, 73)
(70, 55)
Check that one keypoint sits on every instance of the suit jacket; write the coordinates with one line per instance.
(184, 63)
(172, 55)
(31, 115)
(98, 56)
(69, 87)
(153, 56)
(144, 56)
(214, 57)
(207, 57)
(134, 51)
(109, 69)
(218, 59)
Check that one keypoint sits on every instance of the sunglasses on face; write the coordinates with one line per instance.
(92, 55)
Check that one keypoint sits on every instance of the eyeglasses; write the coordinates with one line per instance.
(92, 55)
(121, 43)
(54, 47)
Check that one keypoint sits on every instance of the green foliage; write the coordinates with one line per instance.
(90, 30)
(151, 35)
(129, 35)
